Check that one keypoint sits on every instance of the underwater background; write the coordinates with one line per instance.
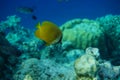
(59, 11)
(60, 40)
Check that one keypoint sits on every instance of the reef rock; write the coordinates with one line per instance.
(108, 72)
(91, 67)
(86, 66)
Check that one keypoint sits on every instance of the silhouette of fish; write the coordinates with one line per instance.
(34, 17)
(25, 10)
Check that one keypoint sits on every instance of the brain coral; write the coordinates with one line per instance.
(83, 33)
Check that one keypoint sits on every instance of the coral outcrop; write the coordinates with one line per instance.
(83, 33)
(111, 25)
(86, 66)
(91, 67)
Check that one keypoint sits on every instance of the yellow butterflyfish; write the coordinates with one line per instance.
(48, 32)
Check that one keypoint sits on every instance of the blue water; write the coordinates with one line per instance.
(59, 12)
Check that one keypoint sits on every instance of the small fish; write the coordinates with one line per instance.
(48, 32)
(25, 10)
(34, 17)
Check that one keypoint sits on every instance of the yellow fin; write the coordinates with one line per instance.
(38, 25)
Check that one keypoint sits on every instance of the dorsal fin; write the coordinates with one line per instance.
(38, 25)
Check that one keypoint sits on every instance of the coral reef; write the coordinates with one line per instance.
(20, 37)
(91, 67)
(89, 51)
(8, 58)
(24, 40)
(109, 21)
(84, 33)
(16, 43)
(111, 25)
(35, 69)
(61, 54)
(11, 22)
